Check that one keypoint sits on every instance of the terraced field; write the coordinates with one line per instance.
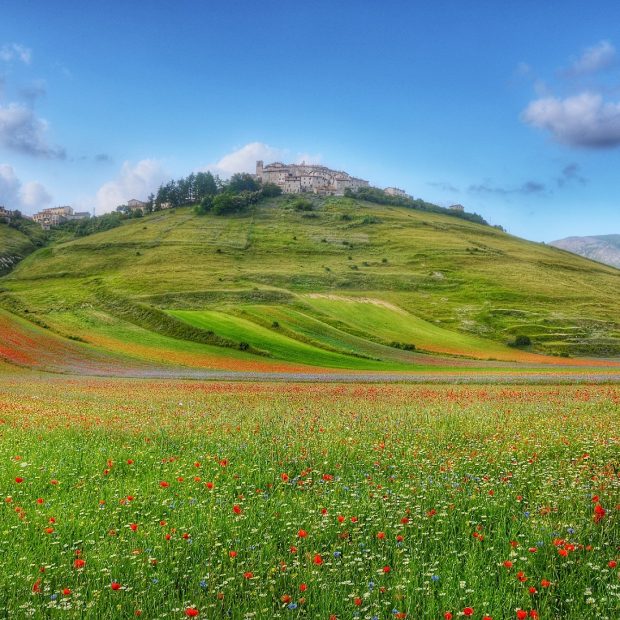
(348, 285)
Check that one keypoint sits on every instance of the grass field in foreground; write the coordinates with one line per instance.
(173, 499)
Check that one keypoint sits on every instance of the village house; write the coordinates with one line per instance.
(395, 191)
(457, 207)
(6, 214)
(299, 178)
(134, 204)
(57, 215)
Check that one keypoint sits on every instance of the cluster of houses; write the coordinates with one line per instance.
(298, 178)
(6, 214)
(291, 178)
(57, 215)
(46, 218)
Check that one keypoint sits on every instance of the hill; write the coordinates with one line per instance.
(348, 284)
(601, 248)
(17, 240)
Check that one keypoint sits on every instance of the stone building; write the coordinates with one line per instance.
(460, 208)
(136, 204)
(299, 178)
(395, 191)
(57, 215)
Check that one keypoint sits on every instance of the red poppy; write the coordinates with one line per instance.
(468, 611)
(66, 591)
(612, 564)
(237, 509)
(599, 513)
(302, 533)
(380, 535)
(248, 575)
(19, 480)
(209, 485)
(357, 601)
(79, 563)
(340, 519)
(386, 569)
(232, 554)
(284, 477)
(191, 612)
(115, 585)
(303, 587)
(545, 583)
(164, 485)
(318, 560)
(521, 614)
(36, 586)
(134, 527)
(448, 615)
(507, 564)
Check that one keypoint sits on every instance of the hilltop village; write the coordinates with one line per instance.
(301, 178)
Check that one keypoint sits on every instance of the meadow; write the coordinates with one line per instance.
(170, 499)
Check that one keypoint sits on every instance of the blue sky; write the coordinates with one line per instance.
(511, 109)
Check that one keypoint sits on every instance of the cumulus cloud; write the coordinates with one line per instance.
(244, 159)
(9, 186)
(34, 196)
(23, 132)
(15, 51)
(133, 181)
(596, 58)
(583, 120)
(28, 197)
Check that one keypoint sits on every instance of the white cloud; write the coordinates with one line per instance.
(134, 181)
(11, 51)
(596, 58)
(21, 131)
(583, 120)
(9, 187)
(34, 196)
(244, 159)
(28, 197)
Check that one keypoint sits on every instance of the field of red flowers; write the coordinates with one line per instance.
(171, 499)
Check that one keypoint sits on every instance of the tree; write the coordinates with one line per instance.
(204, 185)
(242, 182)
(270, 190)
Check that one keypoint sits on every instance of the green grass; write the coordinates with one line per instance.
(14, 246)
(275, 343)
(464, 288)
(139, 480)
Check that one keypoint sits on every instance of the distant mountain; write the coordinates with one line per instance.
(602, 248)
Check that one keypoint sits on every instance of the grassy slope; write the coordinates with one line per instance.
(458, 287)
(14, 245)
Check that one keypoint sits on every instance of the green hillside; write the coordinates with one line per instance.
(349, 284)
(17, 241)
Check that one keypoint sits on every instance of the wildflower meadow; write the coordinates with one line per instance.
(155, 499)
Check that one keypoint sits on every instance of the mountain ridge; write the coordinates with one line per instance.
(601, 248)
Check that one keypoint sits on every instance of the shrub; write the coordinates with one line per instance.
(302, 204)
